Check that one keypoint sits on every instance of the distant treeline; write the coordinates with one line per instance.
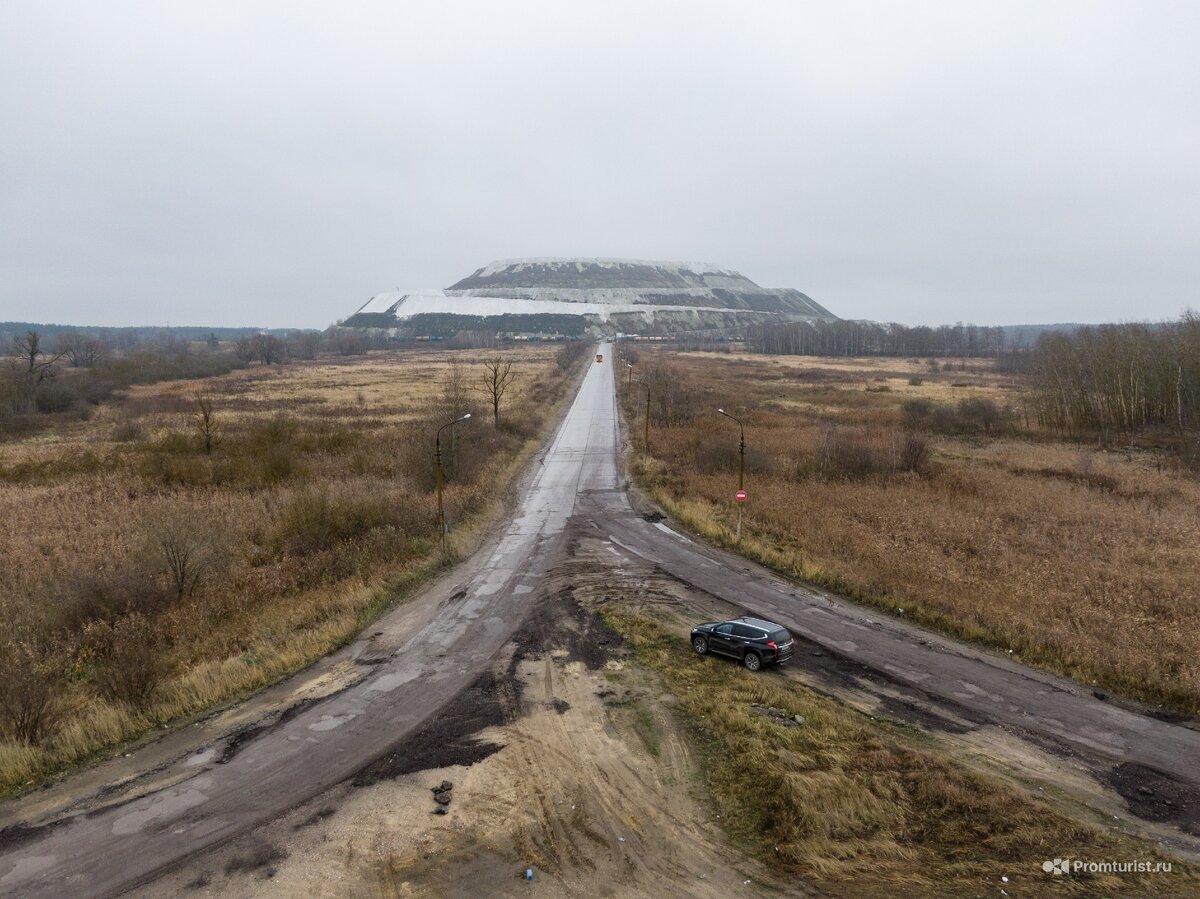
(71, 371)
(1119, 380)
(860, 338)
(140, 333)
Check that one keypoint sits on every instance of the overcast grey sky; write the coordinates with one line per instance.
(278, 163)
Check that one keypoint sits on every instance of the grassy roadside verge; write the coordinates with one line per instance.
(858, 807)
(281, 611)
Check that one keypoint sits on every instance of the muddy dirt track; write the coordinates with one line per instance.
(372, 713)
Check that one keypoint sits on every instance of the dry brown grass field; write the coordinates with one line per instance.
(147, 576)
(928, 493)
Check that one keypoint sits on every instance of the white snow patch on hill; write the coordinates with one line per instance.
(406, 304)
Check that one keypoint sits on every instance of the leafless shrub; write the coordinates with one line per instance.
(673, 400)
(27, 691)
(90, 595)
(266, 453)
(127, 430)
(204, 418)
(970, 416)
(852, 453)
(570, 353)
(914, 453)
(317, 519)
(131, 655)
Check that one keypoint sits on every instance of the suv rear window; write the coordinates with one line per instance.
(780, 636)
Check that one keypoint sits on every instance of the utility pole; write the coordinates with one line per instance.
(437, 460)
(741, 470)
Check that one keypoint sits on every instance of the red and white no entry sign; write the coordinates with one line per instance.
(741, 496)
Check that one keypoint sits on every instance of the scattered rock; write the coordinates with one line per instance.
(777, 715)
(443, 793)
(441, 810)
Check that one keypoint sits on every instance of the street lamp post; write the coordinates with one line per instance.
(437, 458)
(741, 467)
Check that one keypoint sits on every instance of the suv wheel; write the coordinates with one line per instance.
(752, 661)
(700, 645)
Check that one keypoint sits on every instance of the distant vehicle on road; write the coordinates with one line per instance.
(752, 640)
(599, 357)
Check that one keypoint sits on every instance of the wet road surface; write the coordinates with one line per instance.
(472, 614)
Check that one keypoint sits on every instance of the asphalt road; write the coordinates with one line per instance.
(114, 849)
(474, 612)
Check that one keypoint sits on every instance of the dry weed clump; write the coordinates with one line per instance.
(154, 566)
(1084, 561)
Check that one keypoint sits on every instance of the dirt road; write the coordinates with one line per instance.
(202, 795)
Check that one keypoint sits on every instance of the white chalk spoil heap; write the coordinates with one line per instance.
(612, 294)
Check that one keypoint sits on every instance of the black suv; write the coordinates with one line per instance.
(754, 641)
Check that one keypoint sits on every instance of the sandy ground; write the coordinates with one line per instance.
(587, 781)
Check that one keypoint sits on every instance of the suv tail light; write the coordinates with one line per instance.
(774, 648)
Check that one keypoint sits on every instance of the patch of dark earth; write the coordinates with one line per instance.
(924, 718)
(561, 623)
(450, 736)
(259, 855)
(1156, 797)
(246, 735)
(16, 835)
(1182, 719)
(316, 817)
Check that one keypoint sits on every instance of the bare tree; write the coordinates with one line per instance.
(205, 420)
(305, 346)
(497, 378)
(348, 343)
(186, 549)
(34, 365)
(245, 351)
(268, 349)
(81, 350)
